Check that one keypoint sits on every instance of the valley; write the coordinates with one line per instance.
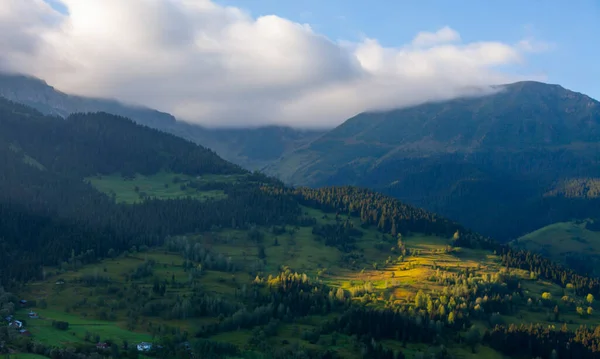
(227, 179)
(170, 294)
(121, 300)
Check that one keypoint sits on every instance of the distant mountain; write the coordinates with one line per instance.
(255, 148)
(250, 148)
(501, 163)
(43, 97)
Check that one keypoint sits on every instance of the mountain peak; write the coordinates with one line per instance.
(523, 114)
(544, 89)
(535, 87)
(529, 84)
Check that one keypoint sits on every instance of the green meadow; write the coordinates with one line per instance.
(569, 243)
(162, 185)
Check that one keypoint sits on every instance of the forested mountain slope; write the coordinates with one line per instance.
(255, 269)
(252, 148)
(89, 144)
(503, 164)
(48, 210)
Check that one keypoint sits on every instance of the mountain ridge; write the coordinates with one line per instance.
(522, 139)
(236, 145)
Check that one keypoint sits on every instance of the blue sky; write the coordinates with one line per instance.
(573, 27)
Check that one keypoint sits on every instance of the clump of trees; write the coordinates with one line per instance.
(60, 325)
(8, 302)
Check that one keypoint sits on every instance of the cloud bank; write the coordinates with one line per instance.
(219, 66)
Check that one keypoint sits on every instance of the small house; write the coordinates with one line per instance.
(25, 332)
(102, 346)
(23, 302)
(16, 324)
(9, 318)
(33, 315)
(144, 347)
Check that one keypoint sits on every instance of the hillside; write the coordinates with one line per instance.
(503, 164)
(250, 148)
(116, 234)
(576, 244)
(42, 188)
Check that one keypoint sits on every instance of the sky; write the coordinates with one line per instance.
(311, 63)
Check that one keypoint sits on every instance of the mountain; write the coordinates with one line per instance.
(501, 164)
(43, 97)
(113, 233)
(251, 148)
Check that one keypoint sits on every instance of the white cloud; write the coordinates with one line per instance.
(532, 45)
(217, 65)
(442, 36)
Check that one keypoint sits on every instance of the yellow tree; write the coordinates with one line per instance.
(451, 318)
(340, 294)
(590, 298)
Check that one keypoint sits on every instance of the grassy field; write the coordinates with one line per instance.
(78, 327)
(559, 241)
(23, 356)
(161, 186)
(64, 302)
